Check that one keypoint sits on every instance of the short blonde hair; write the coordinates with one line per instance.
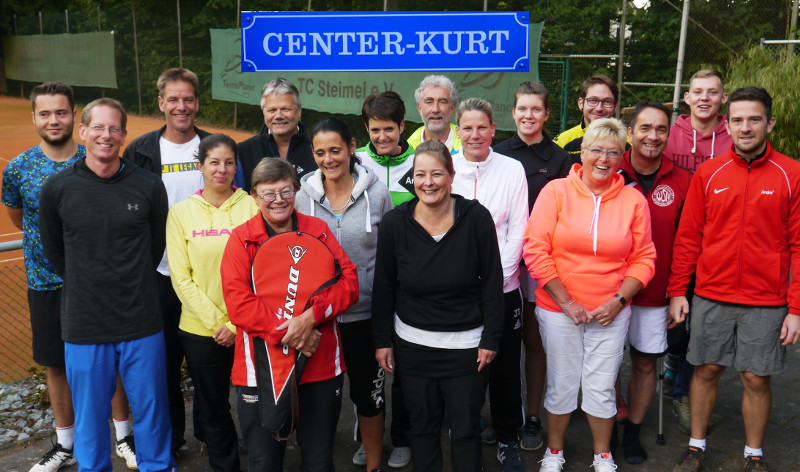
(605, 128)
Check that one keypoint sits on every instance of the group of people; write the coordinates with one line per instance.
(451, 255)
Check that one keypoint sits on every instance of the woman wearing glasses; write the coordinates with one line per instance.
(197, 231)
(315, 331)
(588, 245)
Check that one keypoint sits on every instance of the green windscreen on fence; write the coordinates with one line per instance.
(344, 92)
(84, 59)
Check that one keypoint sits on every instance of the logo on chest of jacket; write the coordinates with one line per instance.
(767, 192)
(133, 207)
(663, 195)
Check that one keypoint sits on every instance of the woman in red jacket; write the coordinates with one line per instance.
(315, 331)
(588, 245)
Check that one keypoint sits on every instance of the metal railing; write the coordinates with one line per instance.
(16, 354)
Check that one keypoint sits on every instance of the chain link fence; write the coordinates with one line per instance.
(16, 353)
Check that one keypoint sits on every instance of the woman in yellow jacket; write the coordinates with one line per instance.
(197, 232)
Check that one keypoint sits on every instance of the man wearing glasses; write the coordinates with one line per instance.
(436, 99)
(599, 99)
(102, 223)
(170, 153)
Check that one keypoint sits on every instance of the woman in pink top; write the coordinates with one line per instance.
(588, 246)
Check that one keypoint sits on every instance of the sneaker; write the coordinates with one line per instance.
(489, 435)
(604, 463)
(56, 458)
(360, 457)
(400, 457)
(691, 460)
(681, 410)
(508, 455)
(126, 449)
(532, 437)
(551, 462)
(755, 464)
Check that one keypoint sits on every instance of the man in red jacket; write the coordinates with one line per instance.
(740, 232)
(664, 185)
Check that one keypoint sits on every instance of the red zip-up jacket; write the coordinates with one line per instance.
(665, 200)
(253, 318)
(740, 229)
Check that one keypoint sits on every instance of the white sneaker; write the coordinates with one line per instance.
(56, 458)
(604, 463)
(400, 457)
(126, 449)
(552, 462)
(360, 457)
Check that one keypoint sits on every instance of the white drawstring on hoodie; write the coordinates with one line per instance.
(595, 221)
(713, 141)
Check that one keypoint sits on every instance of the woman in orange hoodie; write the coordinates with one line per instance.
(588, 245)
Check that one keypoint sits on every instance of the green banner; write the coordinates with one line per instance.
(84, 59)
(345, 92)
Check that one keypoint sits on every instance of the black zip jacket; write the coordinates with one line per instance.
(105, 237)
(262, 145)
(145, 151)
(453, 285)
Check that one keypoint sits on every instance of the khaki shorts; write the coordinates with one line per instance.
(743, 336)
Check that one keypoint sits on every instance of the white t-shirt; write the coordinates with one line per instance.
(180, 176)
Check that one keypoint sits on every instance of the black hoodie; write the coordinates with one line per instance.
(105, 237)
(455, 284)
(262, 145)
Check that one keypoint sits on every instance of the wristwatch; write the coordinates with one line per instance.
(621, 299)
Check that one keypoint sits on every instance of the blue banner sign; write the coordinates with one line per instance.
(384, 42)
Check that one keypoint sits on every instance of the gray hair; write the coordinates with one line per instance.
(436, 81)
(605, 128)
(475, 104)
(280, 86)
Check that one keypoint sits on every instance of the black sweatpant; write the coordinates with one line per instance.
(505, 385)
(320, 404)
(210, 367)
(171, 313)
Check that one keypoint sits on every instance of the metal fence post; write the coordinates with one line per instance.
(621, 59)
(679, 69)
(136, 61)
(180, 48)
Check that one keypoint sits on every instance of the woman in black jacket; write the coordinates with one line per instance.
(437, 309)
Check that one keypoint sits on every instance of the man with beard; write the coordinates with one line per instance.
(283, 135)
(599, 99)
(436, 99)
(54, 119)
(740, 233)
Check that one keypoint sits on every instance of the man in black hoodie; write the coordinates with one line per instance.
(102, 223)
(282, 134)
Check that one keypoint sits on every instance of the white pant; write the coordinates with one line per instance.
(648, 331)
(584, 357)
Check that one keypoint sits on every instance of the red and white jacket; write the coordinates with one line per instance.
(740, 230)
(252, 317)
(665, 200)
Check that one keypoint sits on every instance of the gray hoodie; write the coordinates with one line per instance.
(356, 230)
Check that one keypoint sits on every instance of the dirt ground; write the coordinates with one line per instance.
(17, 134)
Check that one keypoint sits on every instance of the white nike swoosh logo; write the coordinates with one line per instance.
(718, 190)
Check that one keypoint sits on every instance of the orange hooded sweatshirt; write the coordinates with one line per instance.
(590, 242)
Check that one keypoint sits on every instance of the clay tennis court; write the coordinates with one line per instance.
(17, 134)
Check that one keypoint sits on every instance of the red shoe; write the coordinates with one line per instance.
(622, 409)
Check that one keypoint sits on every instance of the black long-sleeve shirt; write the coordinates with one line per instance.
(455, 284)
(105, 237)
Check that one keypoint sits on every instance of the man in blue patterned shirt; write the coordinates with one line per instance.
(54, 118)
